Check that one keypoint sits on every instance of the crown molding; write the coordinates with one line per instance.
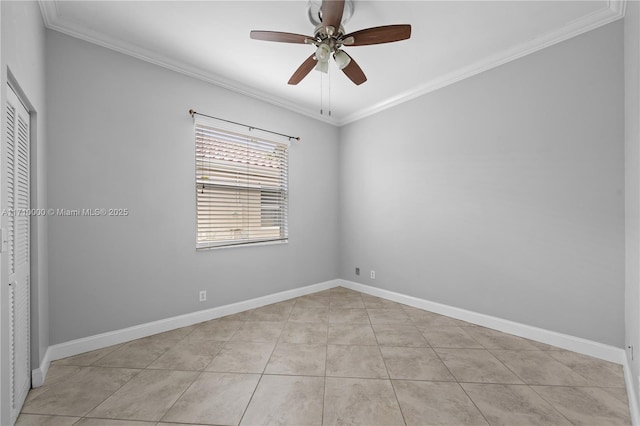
(51, 21)
(618, 6)
(49, 11)
(615, 10)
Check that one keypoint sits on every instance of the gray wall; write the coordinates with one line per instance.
(120, 137)
(632, 183)
(23, 55)
(502, 194)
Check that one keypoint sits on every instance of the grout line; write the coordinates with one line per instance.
(550, 404)
(455, 378)
(460, 386)
(181, 394)
(384, 362)
(474, 403)
(507, 366)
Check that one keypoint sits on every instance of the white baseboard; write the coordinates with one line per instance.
(38, 375)
(565, 341)
(99, 341)
(631, 392)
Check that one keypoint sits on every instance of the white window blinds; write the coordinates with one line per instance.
(241, 188)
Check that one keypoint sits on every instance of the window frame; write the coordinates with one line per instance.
(251, 192)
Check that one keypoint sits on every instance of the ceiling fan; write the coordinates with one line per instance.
(329, 38)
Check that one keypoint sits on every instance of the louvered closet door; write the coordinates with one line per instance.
(17, 181)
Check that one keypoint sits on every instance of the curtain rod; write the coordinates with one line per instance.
(194, 112)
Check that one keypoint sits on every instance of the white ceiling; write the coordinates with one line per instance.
(210, 40)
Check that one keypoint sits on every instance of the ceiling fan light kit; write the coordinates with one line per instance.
(341, 58)
(329, 36)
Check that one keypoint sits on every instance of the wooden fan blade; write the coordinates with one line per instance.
(354, 72)
(303, 70)
(379, 35)
(332, 13)
(279, 37)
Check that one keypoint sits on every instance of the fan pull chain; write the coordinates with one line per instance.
(329, 89)
(322, 77)
(321, 95)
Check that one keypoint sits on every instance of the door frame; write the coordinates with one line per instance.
(8, 79)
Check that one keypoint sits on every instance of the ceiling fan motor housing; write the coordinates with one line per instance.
(315, 13)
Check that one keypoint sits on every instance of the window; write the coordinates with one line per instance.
(241, 188)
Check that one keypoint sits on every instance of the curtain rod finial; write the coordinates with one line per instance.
(191, 112)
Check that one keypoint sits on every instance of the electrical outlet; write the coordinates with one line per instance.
(357, 271)
(373, 275)
(203, 295)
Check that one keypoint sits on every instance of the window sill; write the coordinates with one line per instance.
(261, 243)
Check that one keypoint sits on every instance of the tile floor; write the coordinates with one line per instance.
(337, 357)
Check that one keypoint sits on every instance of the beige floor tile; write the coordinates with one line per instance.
(450, 337)
(619, 393)
(286, 400)
(87, 358)
(295, 342)
(539, 368)
(351, 334)
(242, 357)
(586, 406)
(188, 355)
(476, 365)
(596, 371)
(399, 335)
(348, 295)
(367, 402)
(79, 393)
(219, 330)
(305, 332)
(145, 397)
(492, 339)
(414, 364)
(312, 301)
(298, 359)
(59, 372)
(343, 291)
(509, 405)
(388, 316)
(40, 420)
(258, 331)
(355, 361)
(111, 422)
(422, 318)
(437, 403)
(214, 398)
(138, 353)
(373, 302)
(304, 314)
(347, 315)
(275, 312)
(54, 374)
(346, 303)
